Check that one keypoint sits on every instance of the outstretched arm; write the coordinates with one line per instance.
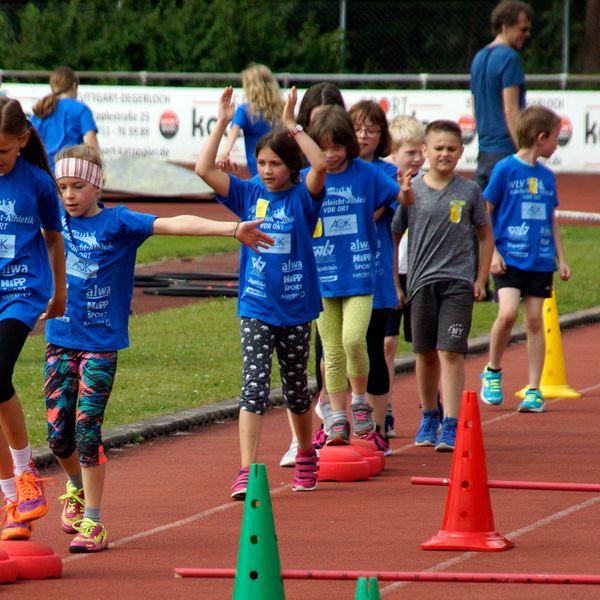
(56, 252)
(206, 164)
(246, 232)
(315, 178)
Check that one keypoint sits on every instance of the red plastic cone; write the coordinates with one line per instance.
(468, 521)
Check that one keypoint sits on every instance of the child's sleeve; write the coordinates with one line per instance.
(239, 117)
(494, 190)
(480, 213)
(48, 205)
(237, 201)
(400, 220)
(386, 189)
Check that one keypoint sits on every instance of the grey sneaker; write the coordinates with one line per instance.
(362, 419)
(340, 434)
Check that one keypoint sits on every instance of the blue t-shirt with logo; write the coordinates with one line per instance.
(254, 127)
(100, 260)
(345, 239)
(28, 203)
(65, 127)
(278, 285)
(385, 290)
(495, 68)
(524, 199)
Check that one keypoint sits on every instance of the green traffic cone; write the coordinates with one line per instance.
(258, 572)
(367, 592)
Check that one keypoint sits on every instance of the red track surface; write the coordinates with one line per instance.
(167, 504)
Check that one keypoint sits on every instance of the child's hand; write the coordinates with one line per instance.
(498, 266)
(406, 196)
(226, 165)
(56, 308)
(226, 105)
(288, 118)
(401, 298)
(479, 292)
(250, 235)
(564, 271)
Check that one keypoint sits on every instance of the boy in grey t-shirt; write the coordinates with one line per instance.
(442, 282)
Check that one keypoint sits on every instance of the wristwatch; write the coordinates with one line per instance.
(294, 132)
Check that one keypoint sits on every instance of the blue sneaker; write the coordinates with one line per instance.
(427, 434)
(491, 387)
(533, 402)
(447, 439)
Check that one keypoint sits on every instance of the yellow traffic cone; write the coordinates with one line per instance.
(554, 376)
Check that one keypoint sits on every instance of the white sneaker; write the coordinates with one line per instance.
(289, 458)
(324, 412)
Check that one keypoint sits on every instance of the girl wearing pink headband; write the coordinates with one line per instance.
(81, 355)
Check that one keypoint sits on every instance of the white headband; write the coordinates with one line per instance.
(80, 168)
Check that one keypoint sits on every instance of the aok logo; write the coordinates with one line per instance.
(340, 225)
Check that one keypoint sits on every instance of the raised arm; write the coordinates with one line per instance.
(206, 164)
(315, 178)
(223, 159)
(56, 253)
(246, 232)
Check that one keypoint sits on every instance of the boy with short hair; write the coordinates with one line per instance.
(408, 136)
(441, 267)
(521, 197)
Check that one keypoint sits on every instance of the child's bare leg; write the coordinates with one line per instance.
(536, 341)
(508, 311)
(428, 376)
(93, 484)
(302, 425)
(12, 421)
(452, 381)
(250, 426)
(390, 347)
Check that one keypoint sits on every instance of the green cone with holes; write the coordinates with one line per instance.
(258, 572)
(367, 589)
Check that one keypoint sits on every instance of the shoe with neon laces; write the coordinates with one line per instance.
(362, 419)
(31, 500)
(428, 430)
(447, 439)
(533, 402)
(389, 425)
(73, 509)
(379, 441)
(319, 438)
(13, 529)
(240, 485)
(306, 471)
(340, 434)
(91, 537)
(491, 387)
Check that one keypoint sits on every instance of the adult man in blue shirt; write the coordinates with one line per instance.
(498, 85)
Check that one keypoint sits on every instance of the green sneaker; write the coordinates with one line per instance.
(533, 402)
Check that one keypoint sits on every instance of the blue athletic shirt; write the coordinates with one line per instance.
(100, 264)
(345, 239)
(65, 127)
(385, 291)
(279, 285)
(524, 199)
(28, 203)
(254, 127)
(493, 69)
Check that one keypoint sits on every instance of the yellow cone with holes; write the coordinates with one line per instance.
(554, 376)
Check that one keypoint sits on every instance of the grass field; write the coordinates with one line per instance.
(190, 356)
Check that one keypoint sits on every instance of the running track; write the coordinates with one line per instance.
(167, 504)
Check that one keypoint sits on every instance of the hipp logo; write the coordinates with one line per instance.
(566, 131)
(168, 124)
(467, 127)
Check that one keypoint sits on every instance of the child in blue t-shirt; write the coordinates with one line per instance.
(32, 283)
(345, 245)
(81, 355)
(521, 198)
(278, 292)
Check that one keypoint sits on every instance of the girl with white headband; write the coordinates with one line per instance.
(81, 355)
(32, 282)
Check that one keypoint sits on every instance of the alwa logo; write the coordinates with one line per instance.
(360, 246)
(258, 264)
(324, 250)
(518, 231)
(291, 265)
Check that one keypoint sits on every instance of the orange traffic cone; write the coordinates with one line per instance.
(553, 383)
(468, 521)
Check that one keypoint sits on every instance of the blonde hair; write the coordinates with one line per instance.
(405, 129)
(533, 121)
(61, 81)
(83, 152)
(262, 93)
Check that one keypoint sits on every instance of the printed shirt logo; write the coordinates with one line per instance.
(340, 225)
(535, 211)
(80, 267)
(8, 213)
(261, 208)
(282, 245)
(456, 210)
(7, 246)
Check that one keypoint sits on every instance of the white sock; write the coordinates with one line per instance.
(358, 399)
(21, 459)
(9, 488)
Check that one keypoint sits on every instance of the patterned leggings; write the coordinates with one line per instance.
(292, 343)
(77, 387)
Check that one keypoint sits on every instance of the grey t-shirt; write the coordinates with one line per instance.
(440, 231)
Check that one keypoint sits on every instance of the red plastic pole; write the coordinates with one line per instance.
(416, 576)
(518, 485)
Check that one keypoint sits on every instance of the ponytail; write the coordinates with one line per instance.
(62, 80)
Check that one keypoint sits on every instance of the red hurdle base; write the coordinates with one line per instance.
(517, 485)
(553, 579)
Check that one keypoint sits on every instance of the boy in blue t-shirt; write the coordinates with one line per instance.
(521, 198)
